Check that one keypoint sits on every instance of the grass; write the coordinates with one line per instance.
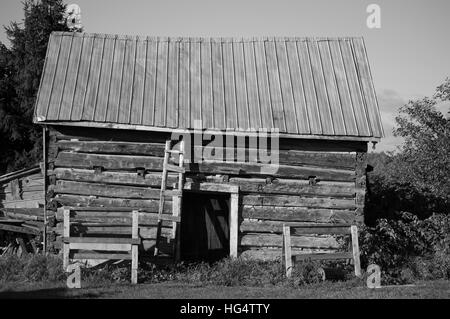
(42, 277)
(438, 289)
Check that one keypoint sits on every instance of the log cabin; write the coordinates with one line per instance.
(108, 104)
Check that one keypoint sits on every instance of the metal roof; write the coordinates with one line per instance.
(316, 87)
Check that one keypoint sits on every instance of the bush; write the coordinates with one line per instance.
(407, 247)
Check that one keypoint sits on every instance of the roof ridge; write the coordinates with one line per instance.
(204, 39)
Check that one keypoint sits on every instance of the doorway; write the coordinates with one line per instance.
(205, 229)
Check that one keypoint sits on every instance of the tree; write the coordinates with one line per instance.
(417, 178)
(425, 155)
(20, 72)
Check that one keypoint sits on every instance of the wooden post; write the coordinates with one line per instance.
(355, 249)
(66, 246)
(44, 176)
(287, 250)
(134, 247)
(234, 220)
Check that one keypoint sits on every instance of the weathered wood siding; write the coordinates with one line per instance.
(266, 202)
(23, 192)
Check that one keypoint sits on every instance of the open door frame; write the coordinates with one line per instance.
(233, 215)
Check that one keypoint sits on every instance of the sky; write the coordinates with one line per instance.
(408, 54)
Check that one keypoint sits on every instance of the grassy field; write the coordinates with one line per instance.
(167, 290)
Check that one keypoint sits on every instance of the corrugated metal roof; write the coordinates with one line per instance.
(302, 86)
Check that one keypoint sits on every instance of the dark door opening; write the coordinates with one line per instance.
(205, 230)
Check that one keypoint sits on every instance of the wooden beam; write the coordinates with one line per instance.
(66, 246)
(211, 187)
(287, 250)
(134, 247)
(355, 251)
(19, 229)
(233, 222)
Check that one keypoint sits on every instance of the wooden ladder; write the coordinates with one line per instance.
(175, 193)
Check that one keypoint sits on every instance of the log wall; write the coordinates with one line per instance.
(23, 192)
(317, 182)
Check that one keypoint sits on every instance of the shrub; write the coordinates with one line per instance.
(408, 243)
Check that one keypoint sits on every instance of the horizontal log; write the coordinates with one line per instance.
(90, 201)
(288, 157)
(270, 226)
(108, 134)
(272, 240)
(19, 229)
(291, 200)
(299, 214)
(106, 147)
(128, 162)
(109, 177)
(291, 187)
(105, 134)
(113, 162)
(283, 156)
(24, 211)
(115, 217)
(28, 203)
(106, 190)
(252, 169)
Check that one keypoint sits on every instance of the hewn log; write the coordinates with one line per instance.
(113, 191)
(272, 240)
(114, 162)
(114, 217)
(291, 187)
(252, 169)
(128, 162)
(288, 157)
(272, 226)
(89, 201)
(292, 200)
(103, 147)
(24, 211)
(300, 214)
(109, 177)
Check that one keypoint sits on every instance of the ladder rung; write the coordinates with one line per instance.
(174, 168)
(174, 151)
(172, 193)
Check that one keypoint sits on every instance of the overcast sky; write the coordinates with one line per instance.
(409, 54)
